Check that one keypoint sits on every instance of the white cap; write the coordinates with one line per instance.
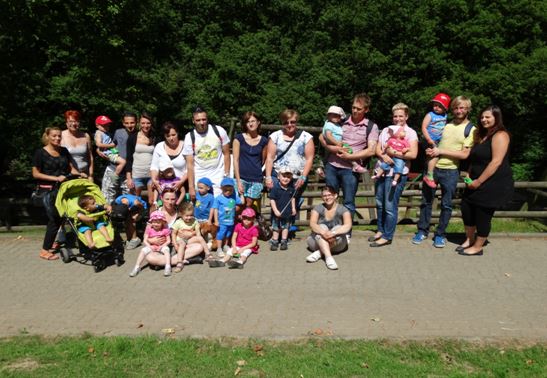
(336, 110)
(165, 164)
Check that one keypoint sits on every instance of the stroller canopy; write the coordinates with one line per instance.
(69, 192)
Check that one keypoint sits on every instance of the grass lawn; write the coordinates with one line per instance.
(89, 356)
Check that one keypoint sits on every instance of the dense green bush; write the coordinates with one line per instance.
(165, 56)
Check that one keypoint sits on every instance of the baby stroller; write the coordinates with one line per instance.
(73, 244)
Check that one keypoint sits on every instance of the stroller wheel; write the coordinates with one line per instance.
(66, 255)
(119, 261)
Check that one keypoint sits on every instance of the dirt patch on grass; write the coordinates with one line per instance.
(26, 364)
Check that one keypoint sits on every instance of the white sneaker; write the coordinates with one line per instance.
(133, 243)
(314, 257)
(135, 271)
(331, 264)
(167, 272)
(220, 254)
(348, 238)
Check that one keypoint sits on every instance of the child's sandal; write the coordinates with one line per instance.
(178, 267)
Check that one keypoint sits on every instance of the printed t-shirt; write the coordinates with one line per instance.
(226, 207)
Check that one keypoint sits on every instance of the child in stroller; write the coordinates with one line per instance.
(104, 246)
(92, 217)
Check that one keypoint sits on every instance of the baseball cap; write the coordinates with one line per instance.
(227, 181)
(285, 169)
(206, 181)
(165, 164)
(102, 120)
(248, 212)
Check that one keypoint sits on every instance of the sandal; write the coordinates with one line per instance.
(178, 267)
(47, 255)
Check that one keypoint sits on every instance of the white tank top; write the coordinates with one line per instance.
(142, 157)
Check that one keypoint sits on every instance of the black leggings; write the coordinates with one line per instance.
(477, 216)
(54, 220)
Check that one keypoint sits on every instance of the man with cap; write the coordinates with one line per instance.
(207, 152)
(224, 212)
(114, 184)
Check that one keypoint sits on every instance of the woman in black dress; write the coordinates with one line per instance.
(492, 185)
(50, 167)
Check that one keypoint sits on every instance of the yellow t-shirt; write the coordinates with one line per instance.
(454, 139)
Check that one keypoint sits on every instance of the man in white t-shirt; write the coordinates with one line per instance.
(207, 153)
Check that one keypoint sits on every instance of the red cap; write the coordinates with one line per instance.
(102, 120)
(443, 99)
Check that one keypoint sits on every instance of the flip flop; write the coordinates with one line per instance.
(46, 255)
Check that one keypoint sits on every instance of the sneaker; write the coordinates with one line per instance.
(419, 238)
(331, 264)
(283, 246)
(216, 263)
(439, 242)
(348, 238)
(314, 257)
(235, 264)
(133, 243)
(167, 271)
(220, 254)
(274, 245)
(136, 270)
(430, 182)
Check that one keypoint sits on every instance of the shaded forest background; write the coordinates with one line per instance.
(165, 56)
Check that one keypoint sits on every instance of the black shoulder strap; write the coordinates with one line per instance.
(193, 137)
(298, 133)
(467, 130)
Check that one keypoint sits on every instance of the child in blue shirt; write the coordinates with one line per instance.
(283, 208)
(202, 210)
(432, 128)
(224, 210)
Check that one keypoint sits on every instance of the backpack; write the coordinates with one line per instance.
(193, 137)
(464, 164)
(365, 162)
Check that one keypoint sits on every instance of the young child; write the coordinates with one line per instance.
(432, 128)
(186, 231)
(87, 220)
(103, 140)
(203, 210)
(283, 208)
(157, 227)
(399, 143)
(244, 242)
(332, 131)
(224, 213)
(168, 179)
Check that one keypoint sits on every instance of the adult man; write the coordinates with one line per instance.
(454, 146)
(361, 134)
(114, 185)
(207, 153)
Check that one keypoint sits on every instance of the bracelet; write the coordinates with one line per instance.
(303, 178)
(268, 177)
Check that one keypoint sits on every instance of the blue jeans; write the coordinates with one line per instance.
(447, 179)
(347, 180)
(387, 204)
(398, 166)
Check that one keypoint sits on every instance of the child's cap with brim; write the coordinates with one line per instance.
(205, 181)
(227, 181)
(102, 120)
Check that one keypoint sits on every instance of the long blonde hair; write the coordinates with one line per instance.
(47, 131)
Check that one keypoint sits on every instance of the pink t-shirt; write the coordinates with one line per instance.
(355, 135)
(384, 137)
(153, 233)
(245, 236)
(398, 144)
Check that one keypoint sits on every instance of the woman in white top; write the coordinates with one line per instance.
(169, 151)
(78, 144)
(139, 157)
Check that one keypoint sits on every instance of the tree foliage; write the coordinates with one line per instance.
(165, 56)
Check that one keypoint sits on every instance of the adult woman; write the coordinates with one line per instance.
(169, 209)
(169, 151)
(139, 157)
(329, 222)
(492, 184)
(78, 143)
(387, 194)
(291, 148)
(50, 167)
(249, 154)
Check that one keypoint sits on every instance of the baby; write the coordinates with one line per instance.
(90, 218)
(106, 145)
(399, 143)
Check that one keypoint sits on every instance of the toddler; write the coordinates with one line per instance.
(244, 242)
(203, 210)
(106, 145)
(224, 213)
(399, 143)
(168, 179)
(186, 231)
(332, 131)
(283, 208)
(432, 129)
(156, 229)
(89, 218)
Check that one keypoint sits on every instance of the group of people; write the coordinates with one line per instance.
(199, 185)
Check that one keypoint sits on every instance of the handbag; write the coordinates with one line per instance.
(38, 195)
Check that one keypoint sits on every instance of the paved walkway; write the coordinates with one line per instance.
(400, 291)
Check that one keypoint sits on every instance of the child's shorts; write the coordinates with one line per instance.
(141, 182)
(281, 223)
(113, 158)
(182, 240)
(252, 189)
(85, 227)
(246, 252)
(225, 231)
(147, 250)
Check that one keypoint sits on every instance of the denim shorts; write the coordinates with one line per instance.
(252, 189)
(280, 223)
(83, 228)
(141, 182)
(225, 231)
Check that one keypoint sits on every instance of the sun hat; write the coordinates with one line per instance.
(102, 120)
(336, 110)
(157, 215)
(227, 181)
(248, 212)
(165, 164)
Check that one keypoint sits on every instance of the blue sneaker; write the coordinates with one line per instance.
(439, 242)
(419, 238)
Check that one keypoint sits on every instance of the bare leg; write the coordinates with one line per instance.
(89, 237)
(284, 234)
(469, 236)
(104, 232)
